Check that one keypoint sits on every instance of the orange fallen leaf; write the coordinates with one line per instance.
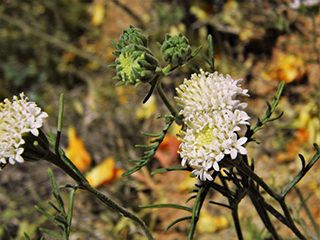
(293, 148)
(167, 153)
(104, 173)
(287, 67)
(77, 152)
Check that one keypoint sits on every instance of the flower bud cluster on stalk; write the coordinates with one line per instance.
(135, 63)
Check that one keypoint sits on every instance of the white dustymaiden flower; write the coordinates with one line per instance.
(212, 116)
(17, 117)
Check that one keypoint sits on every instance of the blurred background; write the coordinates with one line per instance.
(63, 46)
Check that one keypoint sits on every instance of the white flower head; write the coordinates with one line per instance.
(212, 115)
(17, 117)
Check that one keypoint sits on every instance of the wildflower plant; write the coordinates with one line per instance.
(215, 131)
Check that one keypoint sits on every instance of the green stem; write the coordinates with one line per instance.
(164, 98)
(56, 160)
(117, 208)
(234, 201)
(236, 221)
(53, 40)
(242, 167)
(257, 201)
(306, 208)
(84, 184)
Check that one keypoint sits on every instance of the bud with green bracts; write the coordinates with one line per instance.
(176, 50)
(131, 36)
(135, 64)
(35, 147)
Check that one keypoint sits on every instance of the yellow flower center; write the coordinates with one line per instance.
(127, 63)
(205, 136)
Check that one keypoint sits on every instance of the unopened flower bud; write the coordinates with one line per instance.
(176, 50)
(131, 36)
(135, 64)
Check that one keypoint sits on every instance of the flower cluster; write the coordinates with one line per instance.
(176, 50)
(212, 117)
(17, 118)
(135, 63)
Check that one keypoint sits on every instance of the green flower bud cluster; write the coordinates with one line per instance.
(176, 50)
(135, 63)
(131, 36)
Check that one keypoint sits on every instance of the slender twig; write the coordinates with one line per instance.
(53, 40)
(256, 197)
(306, 208)
(118, 208)
(242, 167)
(165, 100)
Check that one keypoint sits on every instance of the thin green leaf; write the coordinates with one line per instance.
(168, 119)
(70, 208)
(167, 205)
(270, 110)
(194, 69)
(196, 51)
(190, 198)
(221, 204)
(153, 85)
(51, 233)
(57, 144)
(309, 214)
(303, 172)
(178, 220)
(26, 236)
(168, 169)
(54, 206)
(56, 192)
(211, 53)
(49, 217)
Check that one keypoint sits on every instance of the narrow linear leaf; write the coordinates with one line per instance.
(178, 220)
(26, 236)
(168, 119)
(196, 51)
(303, 172)
(153, 85)
(49, 217)
(70, 208)
(194, 69)
(54, 206)
(151, 135)
(167, 205)
(211, 53)
(51, 233)
(221, 204)
(168, 169)
(190, 198)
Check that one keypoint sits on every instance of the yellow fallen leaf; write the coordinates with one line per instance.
(104, 173)
(188, 183)
(77, 152)
(97, 12)
(147, 109)
(209, 224)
